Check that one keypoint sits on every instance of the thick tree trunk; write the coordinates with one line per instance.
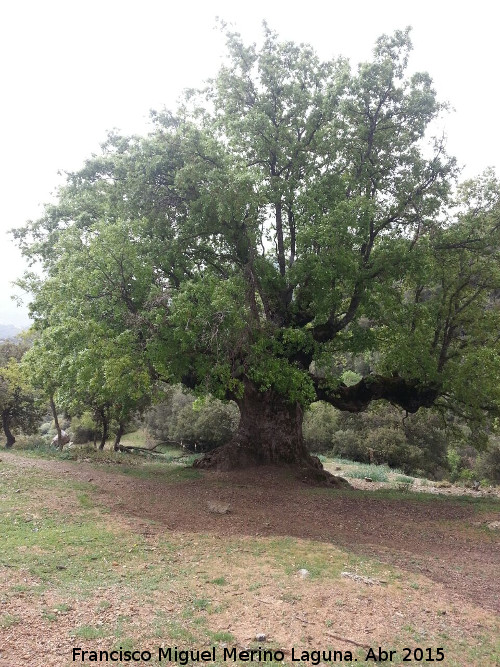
(8, 433)
(269, 433)
(60, 442)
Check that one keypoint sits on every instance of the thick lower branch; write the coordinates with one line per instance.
(408, 394)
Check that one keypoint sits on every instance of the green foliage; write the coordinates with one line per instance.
(462, 460)
(198, 424)
(320, 423)
(376, 473)
(416, 445)
(20, 407)
(487, 464)
(83, 428)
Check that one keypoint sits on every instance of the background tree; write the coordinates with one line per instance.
(79, 366)
(198, 425)
(20, 407)
(291, 216)
(42, 365)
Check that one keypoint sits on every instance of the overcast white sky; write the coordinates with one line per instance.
(73, 69)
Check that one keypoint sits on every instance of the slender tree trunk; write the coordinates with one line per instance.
(279, 237)
(60, 443)
(8, 433)
(105, 429)
(269, 433)
(118, 437)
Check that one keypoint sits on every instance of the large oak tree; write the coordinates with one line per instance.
(290, 217)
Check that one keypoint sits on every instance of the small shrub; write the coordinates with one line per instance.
(83, 429)
(45, 428)
(375, 473)
(462, 460)
(319, 426)
(404, 486)
(380, 435)
(403, 479)
(488, 463)
(33, 442)
(349, 445)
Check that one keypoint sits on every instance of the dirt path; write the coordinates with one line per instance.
(444, 540)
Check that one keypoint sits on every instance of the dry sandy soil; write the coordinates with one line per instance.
(441, 543)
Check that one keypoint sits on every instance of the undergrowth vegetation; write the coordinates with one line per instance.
(181, 427)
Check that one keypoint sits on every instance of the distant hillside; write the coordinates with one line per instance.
(9, 331)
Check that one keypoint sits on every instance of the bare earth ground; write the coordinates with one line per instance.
(451, 559)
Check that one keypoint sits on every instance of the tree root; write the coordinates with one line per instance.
(308, 470)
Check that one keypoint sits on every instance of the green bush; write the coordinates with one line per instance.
(374, 472)
(45, 428)
(349, 445)
(462, 460)
(206, 424)
(383, 434)
(198, 425)
(33, 442)
(389, 445)
(83, 429)
(488, 462)
(320, 423)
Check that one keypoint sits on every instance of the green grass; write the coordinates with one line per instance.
(90, 632)
(404, 479)
(40, 447)
(8, 620)
(376, 473)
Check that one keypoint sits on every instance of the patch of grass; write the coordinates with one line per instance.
(375, 473)
(90, 632)
(222, 636)
(179, 632)
(50, 616)
(125, 644)
(478, 503)
(200, 604)
(404, 479)
(103, 605)
(85, 500)
(8, 620)
(219, 581)
(255, 586)
(46, 548)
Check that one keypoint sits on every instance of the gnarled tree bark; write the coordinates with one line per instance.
(408, 394)
(269, 433)
(270, 428)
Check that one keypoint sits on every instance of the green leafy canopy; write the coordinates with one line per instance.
(291, 217)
